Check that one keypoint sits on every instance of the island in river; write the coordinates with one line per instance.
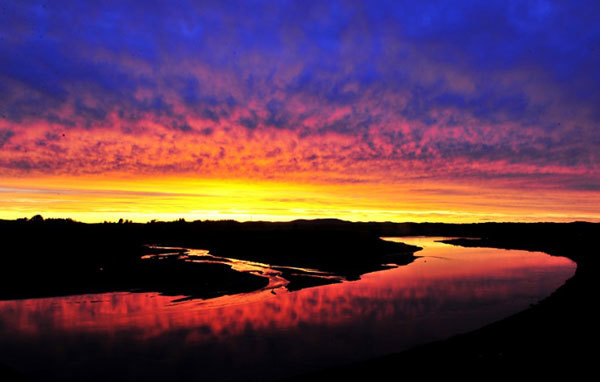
(58, 257)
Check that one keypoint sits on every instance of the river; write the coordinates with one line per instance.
(273, 333)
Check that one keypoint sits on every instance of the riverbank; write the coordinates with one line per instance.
(552, 338)
(57, 257)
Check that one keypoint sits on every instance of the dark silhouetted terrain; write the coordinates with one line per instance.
(57, 257)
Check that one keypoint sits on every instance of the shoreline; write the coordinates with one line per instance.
(545, 339)
(68, 258)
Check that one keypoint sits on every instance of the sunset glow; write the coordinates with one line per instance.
(458, 112)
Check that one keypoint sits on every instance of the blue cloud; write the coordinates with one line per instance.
(5, 136)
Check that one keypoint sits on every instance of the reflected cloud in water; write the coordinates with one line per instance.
(263, 335)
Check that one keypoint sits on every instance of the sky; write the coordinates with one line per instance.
(455, 111)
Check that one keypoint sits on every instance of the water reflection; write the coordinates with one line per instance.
(274, 273)
(259, 335)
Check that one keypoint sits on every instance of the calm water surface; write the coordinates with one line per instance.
(273, 333)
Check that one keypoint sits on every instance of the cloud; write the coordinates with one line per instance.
(5, 136)
(461, 89)
(184, 127)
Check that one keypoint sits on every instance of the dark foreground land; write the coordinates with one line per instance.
(40, 258)
(555, 337)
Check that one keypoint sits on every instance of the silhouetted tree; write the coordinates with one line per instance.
(37, 218)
